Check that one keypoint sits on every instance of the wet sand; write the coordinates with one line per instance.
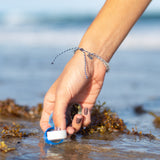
(33, 147)
(113, 145)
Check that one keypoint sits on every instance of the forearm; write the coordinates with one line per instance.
(111, 26)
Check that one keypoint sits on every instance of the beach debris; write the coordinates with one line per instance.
(142, 135)
(8, 107)
(4, 147)
(139, 110)
(156, 121)
(14, 131)
(11, 133)
(103, 121)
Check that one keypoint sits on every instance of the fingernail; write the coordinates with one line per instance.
(78, 120)
(85, 111)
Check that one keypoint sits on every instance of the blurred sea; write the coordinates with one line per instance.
(32, 33)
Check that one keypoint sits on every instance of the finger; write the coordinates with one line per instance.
(76, 124)
(70, 130)
(87, 116)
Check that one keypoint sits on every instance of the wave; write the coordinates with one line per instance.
(45, 20)
(57, 21)
(48, 29)
(137, 39)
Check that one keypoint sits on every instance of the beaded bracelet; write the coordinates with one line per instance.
(89, 54)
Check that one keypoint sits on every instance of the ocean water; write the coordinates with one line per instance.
(30, 37)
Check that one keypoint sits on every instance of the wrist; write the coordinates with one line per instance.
(91, 56)
(92, 62)
(98, 47)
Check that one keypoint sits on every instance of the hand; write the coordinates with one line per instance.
(73, 87)
(103, 36)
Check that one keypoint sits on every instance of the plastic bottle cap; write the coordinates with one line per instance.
(56, 135)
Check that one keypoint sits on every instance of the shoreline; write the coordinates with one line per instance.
(89, 147)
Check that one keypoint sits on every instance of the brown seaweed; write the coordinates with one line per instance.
(140, 110)
(103, 122)
(156, 121)
(10, 108)
(4, 147)
(13, 131)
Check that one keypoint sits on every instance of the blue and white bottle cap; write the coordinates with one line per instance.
(56, 135)
(51, 136)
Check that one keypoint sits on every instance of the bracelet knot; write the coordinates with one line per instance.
(89, 54)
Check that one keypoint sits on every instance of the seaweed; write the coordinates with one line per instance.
(8, 107)
(12, 131)
(12, 134)
(156, 120)
(103, 121)
(5, 148)
(140, 110)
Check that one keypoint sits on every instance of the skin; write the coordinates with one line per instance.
(103, 37)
